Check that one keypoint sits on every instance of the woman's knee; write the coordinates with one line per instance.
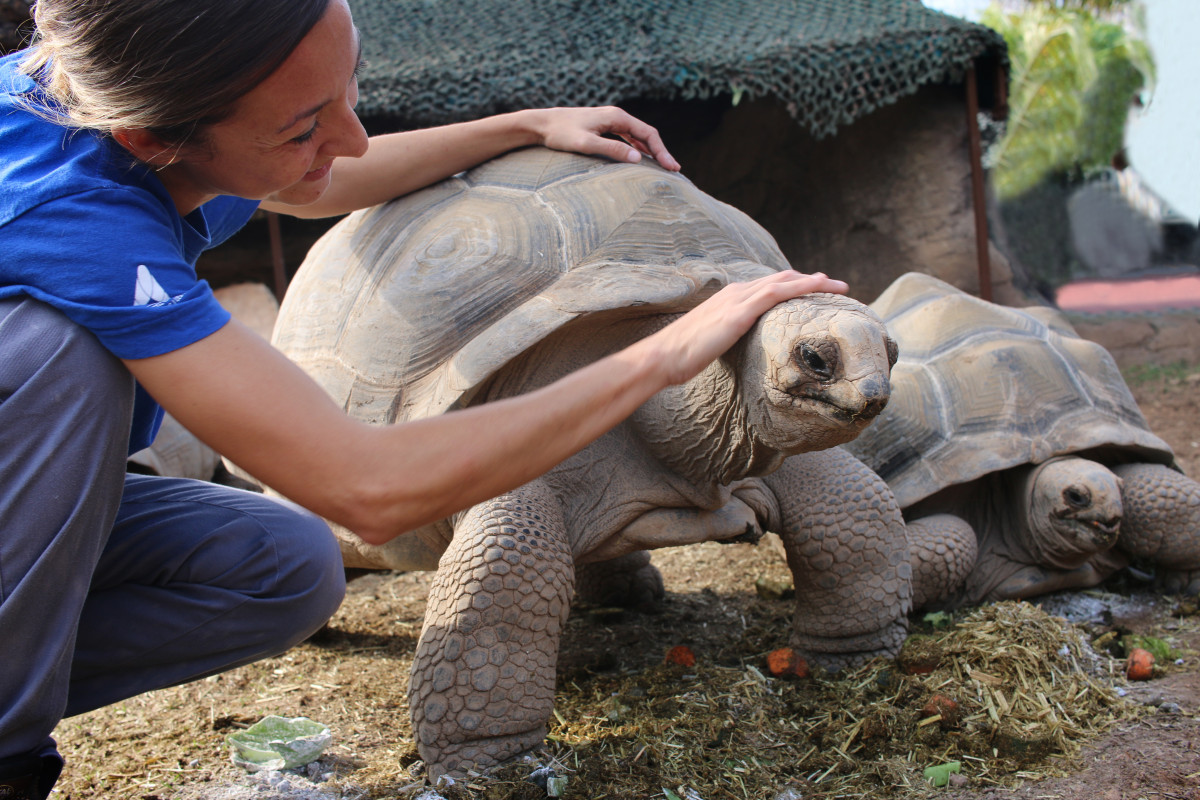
(313, 572)
(275, 567)
(309, 582)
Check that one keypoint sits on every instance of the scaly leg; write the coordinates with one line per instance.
(482, 685)
(942, 550)
(1161, 523)
(845, 543)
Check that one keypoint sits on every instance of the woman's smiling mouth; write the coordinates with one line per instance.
(318, 173)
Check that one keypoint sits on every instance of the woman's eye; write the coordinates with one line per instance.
(307, 135)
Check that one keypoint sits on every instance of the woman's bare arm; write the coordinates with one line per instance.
(398, 163)
(249, 402)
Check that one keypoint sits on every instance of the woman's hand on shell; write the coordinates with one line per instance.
(583, 130)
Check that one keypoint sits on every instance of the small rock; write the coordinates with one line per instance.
(540, 776)
(1169, 708)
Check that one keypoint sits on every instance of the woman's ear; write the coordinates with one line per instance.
(145, 146)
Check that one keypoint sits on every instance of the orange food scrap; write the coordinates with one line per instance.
(786, 663)
(947, 709)
(1140, 665)
(681, 655)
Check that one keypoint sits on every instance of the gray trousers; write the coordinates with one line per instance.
(115, 584)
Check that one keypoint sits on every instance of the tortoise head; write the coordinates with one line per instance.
(815, 372)
(1073, 511)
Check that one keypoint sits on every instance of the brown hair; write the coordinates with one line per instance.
(169, 66)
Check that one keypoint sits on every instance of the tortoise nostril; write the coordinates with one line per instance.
(876, 391)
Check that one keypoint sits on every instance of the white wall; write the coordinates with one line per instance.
(1164, 141)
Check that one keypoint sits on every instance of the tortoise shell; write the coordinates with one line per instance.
(433, 293)
(980, 388)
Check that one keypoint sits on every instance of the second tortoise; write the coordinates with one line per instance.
(1019, 455)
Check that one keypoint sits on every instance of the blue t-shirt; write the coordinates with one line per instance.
(87, 229)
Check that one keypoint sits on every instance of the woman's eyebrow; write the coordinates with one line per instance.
(315, 109)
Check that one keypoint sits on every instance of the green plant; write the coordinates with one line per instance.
(1075, 76)
(1141, 374)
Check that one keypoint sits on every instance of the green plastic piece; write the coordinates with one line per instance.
(939, 774)
(275, 743)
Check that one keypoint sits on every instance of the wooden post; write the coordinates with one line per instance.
(276, 237)
(978, 193)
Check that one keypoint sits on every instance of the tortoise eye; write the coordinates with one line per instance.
(1077, 498)
(812, 359)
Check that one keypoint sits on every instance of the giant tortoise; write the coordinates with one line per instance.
(1019, 455)
(511, 275)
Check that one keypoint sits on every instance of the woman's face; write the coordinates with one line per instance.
(284, 134)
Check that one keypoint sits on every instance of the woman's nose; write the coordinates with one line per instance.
(349, 138)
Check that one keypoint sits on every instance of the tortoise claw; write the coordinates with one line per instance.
(750, 536)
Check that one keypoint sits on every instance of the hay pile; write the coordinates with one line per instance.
(1025, 691)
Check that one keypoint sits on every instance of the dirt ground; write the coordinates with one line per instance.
(629, 726)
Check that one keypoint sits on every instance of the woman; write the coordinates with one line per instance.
(137, 133)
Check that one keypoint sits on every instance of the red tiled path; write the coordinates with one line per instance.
(1138, 294)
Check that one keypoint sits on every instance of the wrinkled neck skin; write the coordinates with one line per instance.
(700, 430)
(1057, 533)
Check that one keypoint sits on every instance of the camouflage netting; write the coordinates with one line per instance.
(829, 61)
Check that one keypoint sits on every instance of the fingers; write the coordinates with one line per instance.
(583, 130)
(643, 138)
(785, 285)
(711, 328)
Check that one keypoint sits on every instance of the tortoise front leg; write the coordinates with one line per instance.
(482, 686)
(942, 549)
(1161, 523)
(845, 543)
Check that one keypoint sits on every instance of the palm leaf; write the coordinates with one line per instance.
(1074, 78)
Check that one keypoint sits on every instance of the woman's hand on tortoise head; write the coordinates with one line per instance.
(582, 130)
(692, 342)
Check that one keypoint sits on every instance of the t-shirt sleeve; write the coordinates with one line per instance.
(110, 260)
(226, 216)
